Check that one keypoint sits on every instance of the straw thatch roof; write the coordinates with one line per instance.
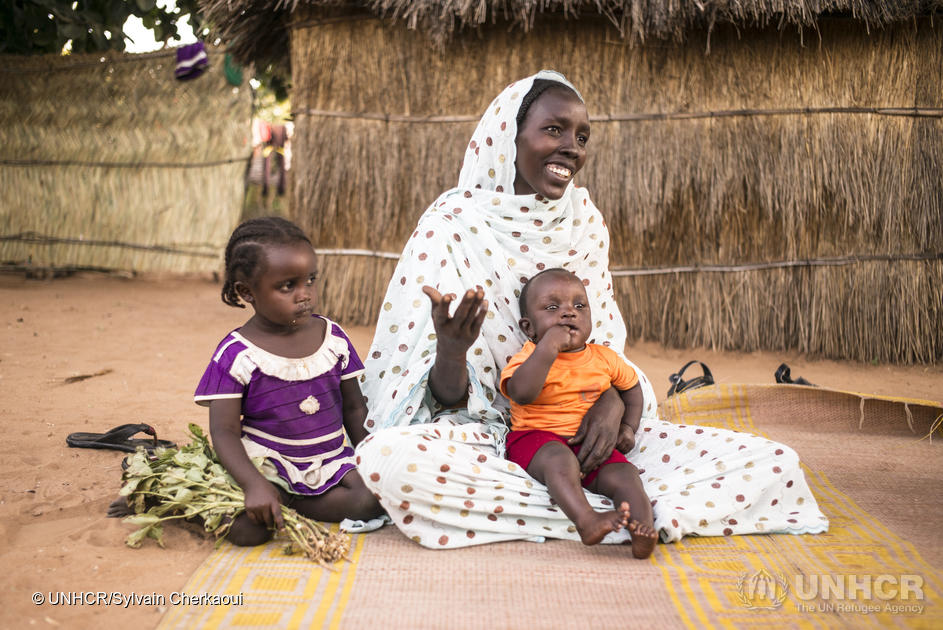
(771, 195)
(258, 30)
(780, 193)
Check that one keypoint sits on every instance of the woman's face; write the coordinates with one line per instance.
(551, 144)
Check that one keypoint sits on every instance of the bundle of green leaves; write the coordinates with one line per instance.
(190, 483)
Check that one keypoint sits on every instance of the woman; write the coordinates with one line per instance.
(437, 420)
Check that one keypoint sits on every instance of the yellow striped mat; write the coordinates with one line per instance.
(860, 573)
(261, 587)
(863, 573)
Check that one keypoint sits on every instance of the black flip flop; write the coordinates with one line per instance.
(119, 439)
(679, 385)
(783, 376)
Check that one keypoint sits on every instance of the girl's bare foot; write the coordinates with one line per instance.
(598, 524)
(644, 538)
(119, 508)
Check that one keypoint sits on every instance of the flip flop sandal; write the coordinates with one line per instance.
(119, 439)
(783, 376)
(679, 385)
(151, 457)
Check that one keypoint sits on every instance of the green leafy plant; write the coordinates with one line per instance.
(190, 483)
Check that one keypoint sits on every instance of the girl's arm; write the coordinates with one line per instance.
(448, 379)
(633, 400)
(262, 501)
(354, 409)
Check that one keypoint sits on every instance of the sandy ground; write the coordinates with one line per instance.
(154, 337)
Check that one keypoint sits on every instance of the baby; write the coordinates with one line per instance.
(551, 383)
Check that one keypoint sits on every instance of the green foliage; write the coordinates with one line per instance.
(35, 27)
(38, 27)
(190, 483)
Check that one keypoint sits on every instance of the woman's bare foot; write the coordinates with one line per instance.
(644, 538)
(598, 524)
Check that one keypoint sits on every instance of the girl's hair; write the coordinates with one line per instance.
(244, 252)
(539, 87)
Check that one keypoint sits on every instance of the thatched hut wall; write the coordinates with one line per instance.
(108, 162)
(798, 152)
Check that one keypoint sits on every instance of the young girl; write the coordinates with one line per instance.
(283, 387)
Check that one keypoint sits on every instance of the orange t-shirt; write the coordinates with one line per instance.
(574, 382)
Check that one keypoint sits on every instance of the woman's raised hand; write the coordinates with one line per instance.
(456, 333)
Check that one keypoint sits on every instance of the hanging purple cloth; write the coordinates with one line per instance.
(191, 61)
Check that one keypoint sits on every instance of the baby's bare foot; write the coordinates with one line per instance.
(644, 538)
(598, 524)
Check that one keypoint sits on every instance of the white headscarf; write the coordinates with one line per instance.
(482, 234)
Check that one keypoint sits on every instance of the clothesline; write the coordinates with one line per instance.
(33, 237)
(812, 262)
(357, 252)
(914, 112)
(651, 271)
(104, 59)
(42, 239)
(5, 162)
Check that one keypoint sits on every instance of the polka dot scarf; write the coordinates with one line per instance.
(482, 234)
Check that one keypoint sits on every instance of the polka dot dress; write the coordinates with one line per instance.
(445, 486)
(425, 465)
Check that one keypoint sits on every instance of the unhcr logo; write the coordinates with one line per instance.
(762, 591)
(896, 594)
(860, 587)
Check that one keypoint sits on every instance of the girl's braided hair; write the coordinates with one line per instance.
(244, 252)
(539, 87)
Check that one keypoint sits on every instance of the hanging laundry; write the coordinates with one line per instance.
(232, 70)
(191, 61)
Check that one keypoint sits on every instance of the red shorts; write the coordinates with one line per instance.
(521, 446)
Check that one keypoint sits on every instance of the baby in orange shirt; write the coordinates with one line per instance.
(551, 383)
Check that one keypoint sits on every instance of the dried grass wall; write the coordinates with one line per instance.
(770, 149)
(108, 162)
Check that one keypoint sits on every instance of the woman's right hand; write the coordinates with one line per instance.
(263, 504)
(456, 333)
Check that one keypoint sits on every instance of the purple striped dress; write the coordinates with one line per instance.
(292, 411)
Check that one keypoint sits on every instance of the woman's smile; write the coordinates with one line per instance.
(560, 171)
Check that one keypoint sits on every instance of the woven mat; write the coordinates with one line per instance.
(879, 484)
